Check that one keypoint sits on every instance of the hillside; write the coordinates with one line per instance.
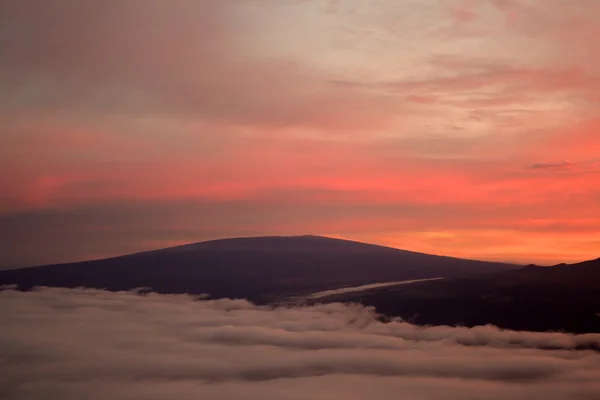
(559, 298)
(259, 269)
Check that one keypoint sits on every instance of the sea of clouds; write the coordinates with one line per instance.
(92, 344)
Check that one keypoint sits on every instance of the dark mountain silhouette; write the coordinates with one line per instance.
(260, 269)
(560, 298)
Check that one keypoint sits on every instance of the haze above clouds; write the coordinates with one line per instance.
(76, 343)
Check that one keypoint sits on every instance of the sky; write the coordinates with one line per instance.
(468, 128)
(82, 343)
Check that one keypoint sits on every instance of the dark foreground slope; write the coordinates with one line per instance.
(259, 269)
(560, 298)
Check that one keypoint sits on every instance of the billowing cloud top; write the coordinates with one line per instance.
(464, 127)
(72, 344)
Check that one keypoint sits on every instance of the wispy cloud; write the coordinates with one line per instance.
(566, 165)
(556, 165)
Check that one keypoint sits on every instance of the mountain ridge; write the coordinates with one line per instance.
(223, 242)
(255, 268)
(564, 297)
(275, 269)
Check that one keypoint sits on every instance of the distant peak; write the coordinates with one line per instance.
(297, 243)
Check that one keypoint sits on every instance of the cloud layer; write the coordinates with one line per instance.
(75, 343)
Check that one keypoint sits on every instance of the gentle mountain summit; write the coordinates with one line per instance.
(281, 268)
(305, 243)
(257, 268)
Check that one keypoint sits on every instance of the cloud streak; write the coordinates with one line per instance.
(73, 343)
(566, 165)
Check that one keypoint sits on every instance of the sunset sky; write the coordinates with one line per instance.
(468, 128)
